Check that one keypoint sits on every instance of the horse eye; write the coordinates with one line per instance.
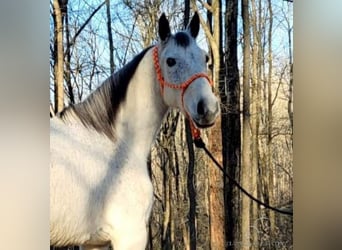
(170, 61)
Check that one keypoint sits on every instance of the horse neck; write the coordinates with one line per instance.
(140, 116)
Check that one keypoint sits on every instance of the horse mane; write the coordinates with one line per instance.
(99, 109)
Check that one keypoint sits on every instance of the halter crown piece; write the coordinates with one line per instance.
(183, 86)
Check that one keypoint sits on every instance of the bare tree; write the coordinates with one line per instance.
(58, 56)
(269, 169)
(255, 108)
(68, 53)
(245, 233)
(231, 125)
(213, 32)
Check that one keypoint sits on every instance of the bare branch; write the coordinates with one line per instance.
(279, 83)
(206, 5)
(73, 40)
(203, 23)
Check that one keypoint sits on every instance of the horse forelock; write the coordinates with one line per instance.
(98, 111)
(182, 39)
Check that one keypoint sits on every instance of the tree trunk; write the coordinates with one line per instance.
(191, 165)
(166, 239)
(231, 126)
(246, 132)
(68, 58)
(290, 101)
(191, 188)
(59, 57)
(269, 154)
(216, 198)
(255, 104)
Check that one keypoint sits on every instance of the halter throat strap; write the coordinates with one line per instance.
(183, 87)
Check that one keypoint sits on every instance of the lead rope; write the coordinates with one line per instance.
(199, 143)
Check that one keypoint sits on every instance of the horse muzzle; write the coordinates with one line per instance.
(207, 112)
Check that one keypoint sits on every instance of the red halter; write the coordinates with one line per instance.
(183, 87)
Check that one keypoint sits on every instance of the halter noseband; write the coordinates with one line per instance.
(183, 87)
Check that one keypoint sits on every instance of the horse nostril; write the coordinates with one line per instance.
(201, 109)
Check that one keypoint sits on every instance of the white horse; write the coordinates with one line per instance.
(100, 190)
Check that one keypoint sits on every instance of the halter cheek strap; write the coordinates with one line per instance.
(183, 87)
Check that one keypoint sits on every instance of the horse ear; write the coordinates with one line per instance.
(163, 27)
(194, 26)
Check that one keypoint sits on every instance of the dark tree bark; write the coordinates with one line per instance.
(191, 188)
(68, 55)
(231, 125)
(191, 166)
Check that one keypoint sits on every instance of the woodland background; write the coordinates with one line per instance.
(250, 44)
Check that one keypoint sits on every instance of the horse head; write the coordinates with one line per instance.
(181, 67)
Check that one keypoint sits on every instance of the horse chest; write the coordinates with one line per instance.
(102, 186)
